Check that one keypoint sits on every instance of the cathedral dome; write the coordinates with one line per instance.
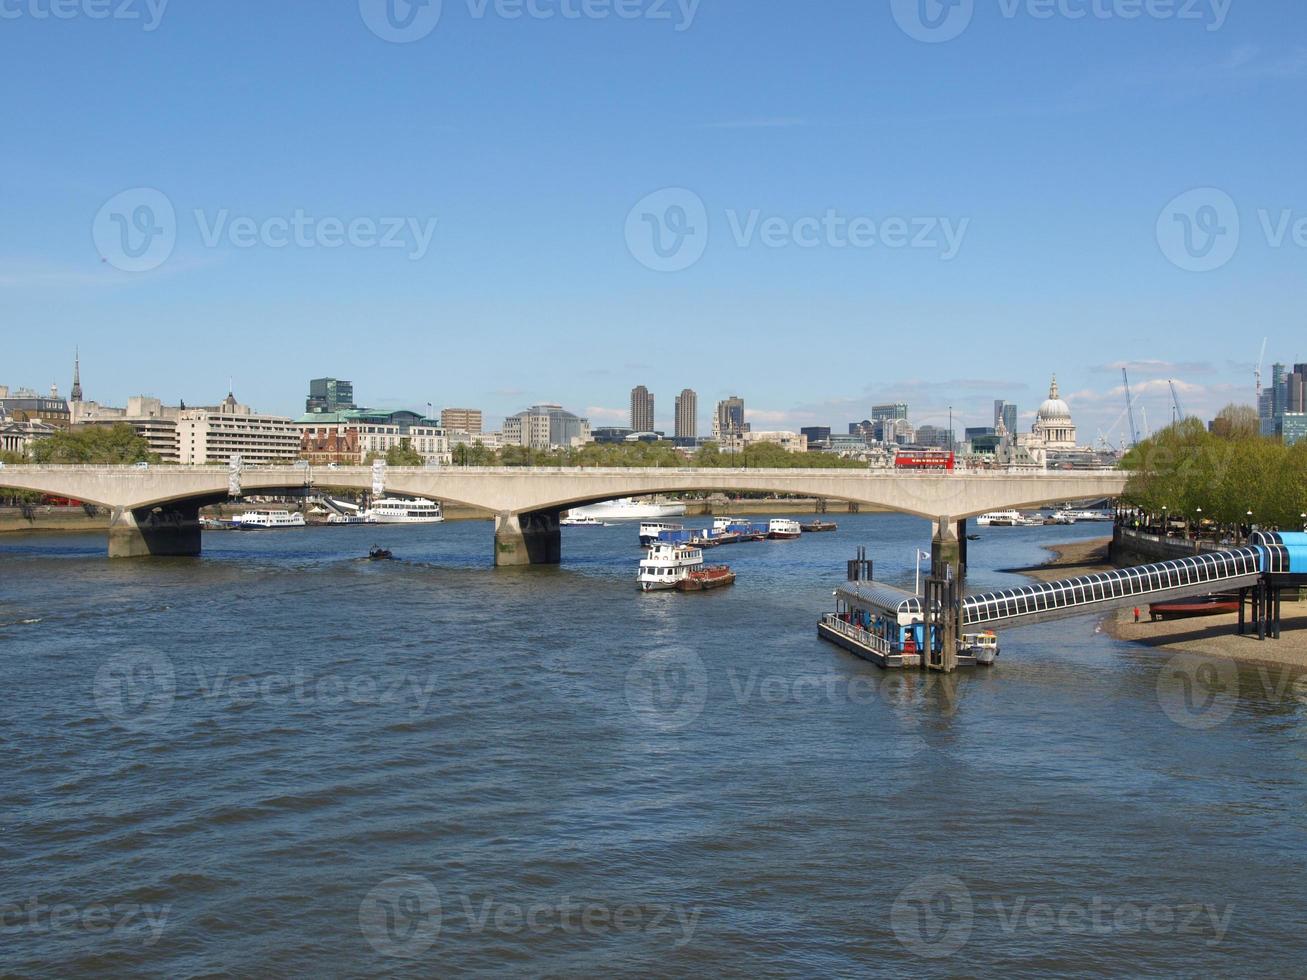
(1054, 409)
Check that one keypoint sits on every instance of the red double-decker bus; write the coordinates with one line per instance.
(923, 458)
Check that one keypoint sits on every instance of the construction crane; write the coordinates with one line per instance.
(1130, 408)
(1175, 398)
(1261, 362)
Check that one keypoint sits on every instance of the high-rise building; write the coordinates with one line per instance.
(687, 415)
(642, 409)
(1006, 412)
(885, 413)
(461, 420)
(817, 435)
(329, 395)
(729, 420)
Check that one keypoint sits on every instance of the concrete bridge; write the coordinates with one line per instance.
(155, 509)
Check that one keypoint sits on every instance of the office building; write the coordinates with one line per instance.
(642, 409)
(214, 435)
(461, 420)
(729, 419)
(546, 427)
(329, 395)
(350, 437)
(1006, 412)
(25, 405)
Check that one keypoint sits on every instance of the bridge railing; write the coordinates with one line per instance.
(887, 473)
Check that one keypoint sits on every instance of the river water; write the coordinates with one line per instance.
(282, 760)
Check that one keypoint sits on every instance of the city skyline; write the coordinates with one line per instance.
(1100, 408)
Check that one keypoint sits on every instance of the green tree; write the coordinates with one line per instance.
(95, 445)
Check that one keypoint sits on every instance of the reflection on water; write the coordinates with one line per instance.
(282, 759)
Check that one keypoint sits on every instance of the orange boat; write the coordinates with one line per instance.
(703, 579)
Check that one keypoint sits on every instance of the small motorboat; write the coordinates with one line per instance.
(817, 526)
(377, 553)
(703, 579)
(973, 537)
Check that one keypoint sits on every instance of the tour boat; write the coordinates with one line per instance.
(267, 519)
(580, 520)
(667, 564)
(351, 519)
(628, 509)
(397, 510)
(780, 529)
(1097, 516)
(650, 531)
(1001, 518)
(1062, 517)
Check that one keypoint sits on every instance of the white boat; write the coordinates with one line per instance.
(1101, 516)
(667, 564)
(1001, 518)
(351, 519)
(398, 510)
(572, 520)
(721, 525)
(982, 646)
(628, 509)
(781, 529)
(267, 519)
(650, 531)
(1062, 517)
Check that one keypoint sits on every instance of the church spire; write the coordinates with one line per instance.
(76, 395)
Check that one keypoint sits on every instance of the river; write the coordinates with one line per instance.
(280, 759)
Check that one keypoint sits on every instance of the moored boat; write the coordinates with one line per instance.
(666, 564)
(651, 531)
(399, 510)
(712, 577)
(781, 529)
(581, 520)
(814, 527)
(264, 519)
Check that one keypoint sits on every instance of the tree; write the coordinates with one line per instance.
(95, 445)
(1237, 422)
(404, 455)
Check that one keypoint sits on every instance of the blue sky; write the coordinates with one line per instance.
(1053, 148)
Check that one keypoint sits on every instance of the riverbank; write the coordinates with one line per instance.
(75, 520)
(1210, 636)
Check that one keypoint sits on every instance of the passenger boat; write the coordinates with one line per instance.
(262, 519)
(581, 520)
(1061, 517)
(628, 509)
(813, 527)
(398, 510)
(651, 530)
(667, 564)
(779, 529)
(351, 519)
(709, 577)
(1000, 518)
(1096, 516)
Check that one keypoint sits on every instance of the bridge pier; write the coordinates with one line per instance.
(948, 550)
(171, 530)
(532, 538)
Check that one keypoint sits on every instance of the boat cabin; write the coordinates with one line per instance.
(879, 623)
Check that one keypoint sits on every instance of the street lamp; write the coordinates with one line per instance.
(1304, 521)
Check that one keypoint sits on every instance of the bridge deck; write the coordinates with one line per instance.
(1180, 578)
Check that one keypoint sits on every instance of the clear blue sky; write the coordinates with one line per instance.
(1057, 141)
